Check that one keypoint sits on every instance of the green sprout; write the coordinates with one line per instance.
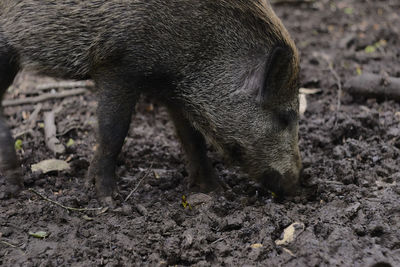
(18, 144)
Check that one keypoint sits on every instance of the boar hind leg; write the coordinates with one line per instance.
(114, 112)
(202, 176)
(9, 166)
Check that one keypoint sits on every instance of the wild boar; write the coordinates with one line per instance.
(226, 70)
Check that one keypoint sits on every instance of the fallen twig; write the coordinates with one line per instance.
(218, 240)
(141, 180)
(61, 205)
(33, 117)
(64, 85)
(8, 244)
(338, 84)
(50, 132)
(30, 124)
(22, 133)
(43, 97)
(11, 245)
(373, 85)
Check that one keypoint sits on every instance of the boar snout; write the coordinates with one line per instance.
(283, 184)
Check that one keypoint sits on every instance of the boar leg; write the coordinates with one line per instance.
(114, 112)
(202, 176)
(9, 165)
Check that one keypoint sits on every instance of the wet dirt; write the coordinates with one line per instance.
(351, 159)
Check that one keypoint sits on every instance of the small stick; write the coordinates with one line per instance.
(32, 118)
(374, 85)
(11, 245)
(64, 85)
(30, 124)
(50, 132)
(338, 84)
(8, 244)
(43, 97)
(141, 180)
(218, 240)
(22, 133)
(61, 205)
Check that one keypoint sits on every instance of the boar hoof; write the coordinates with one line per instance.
(206, 185)
(104, 183)
(108, 202)
(14, 183)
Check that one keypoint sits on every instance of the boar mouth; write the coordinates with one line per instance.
(281, 185)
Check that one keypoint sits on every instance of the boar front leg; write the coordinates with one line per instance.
(115, 106)
(202, 176)
(9, 165)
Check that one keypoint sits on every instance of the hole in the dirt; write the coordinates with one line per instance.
(210, 257)
(395, 246)
(377, 231)
(397, 144)
(381, 264)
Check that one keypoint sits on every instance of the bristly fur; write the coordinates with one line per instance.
(207, 58)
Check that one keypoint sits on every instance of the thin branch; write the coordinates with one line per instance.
(11, 245)
(61, 205)
(338, 84)
(43, 97)
(30, 124)
(8, 244)
(141, 180)
(374, 85)
(33, 117)
(218, 240)
(50, 132)
(64, 85)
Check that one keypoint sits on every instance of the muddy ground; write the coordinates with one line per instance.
(351, 156)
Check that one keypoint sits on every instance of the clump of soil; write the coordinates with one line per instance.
(351, 156)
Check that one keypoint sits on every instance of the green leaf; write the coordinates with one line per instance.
(359, 71)
(39, 234)
(370, 49)
(348, 10)
(71, 142)
(185, 204)
(18, 144)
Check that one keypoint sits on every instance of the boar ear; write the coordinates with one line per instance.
(277, 75)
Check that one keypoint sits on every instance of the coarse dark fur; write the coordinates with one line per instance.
(227, 71)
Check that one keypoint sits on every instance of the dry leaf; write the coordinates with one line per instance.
(49, 165)
(257, 245)
(290, 234)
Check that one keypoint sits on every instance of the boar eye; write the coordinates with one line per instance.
(286, 118)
